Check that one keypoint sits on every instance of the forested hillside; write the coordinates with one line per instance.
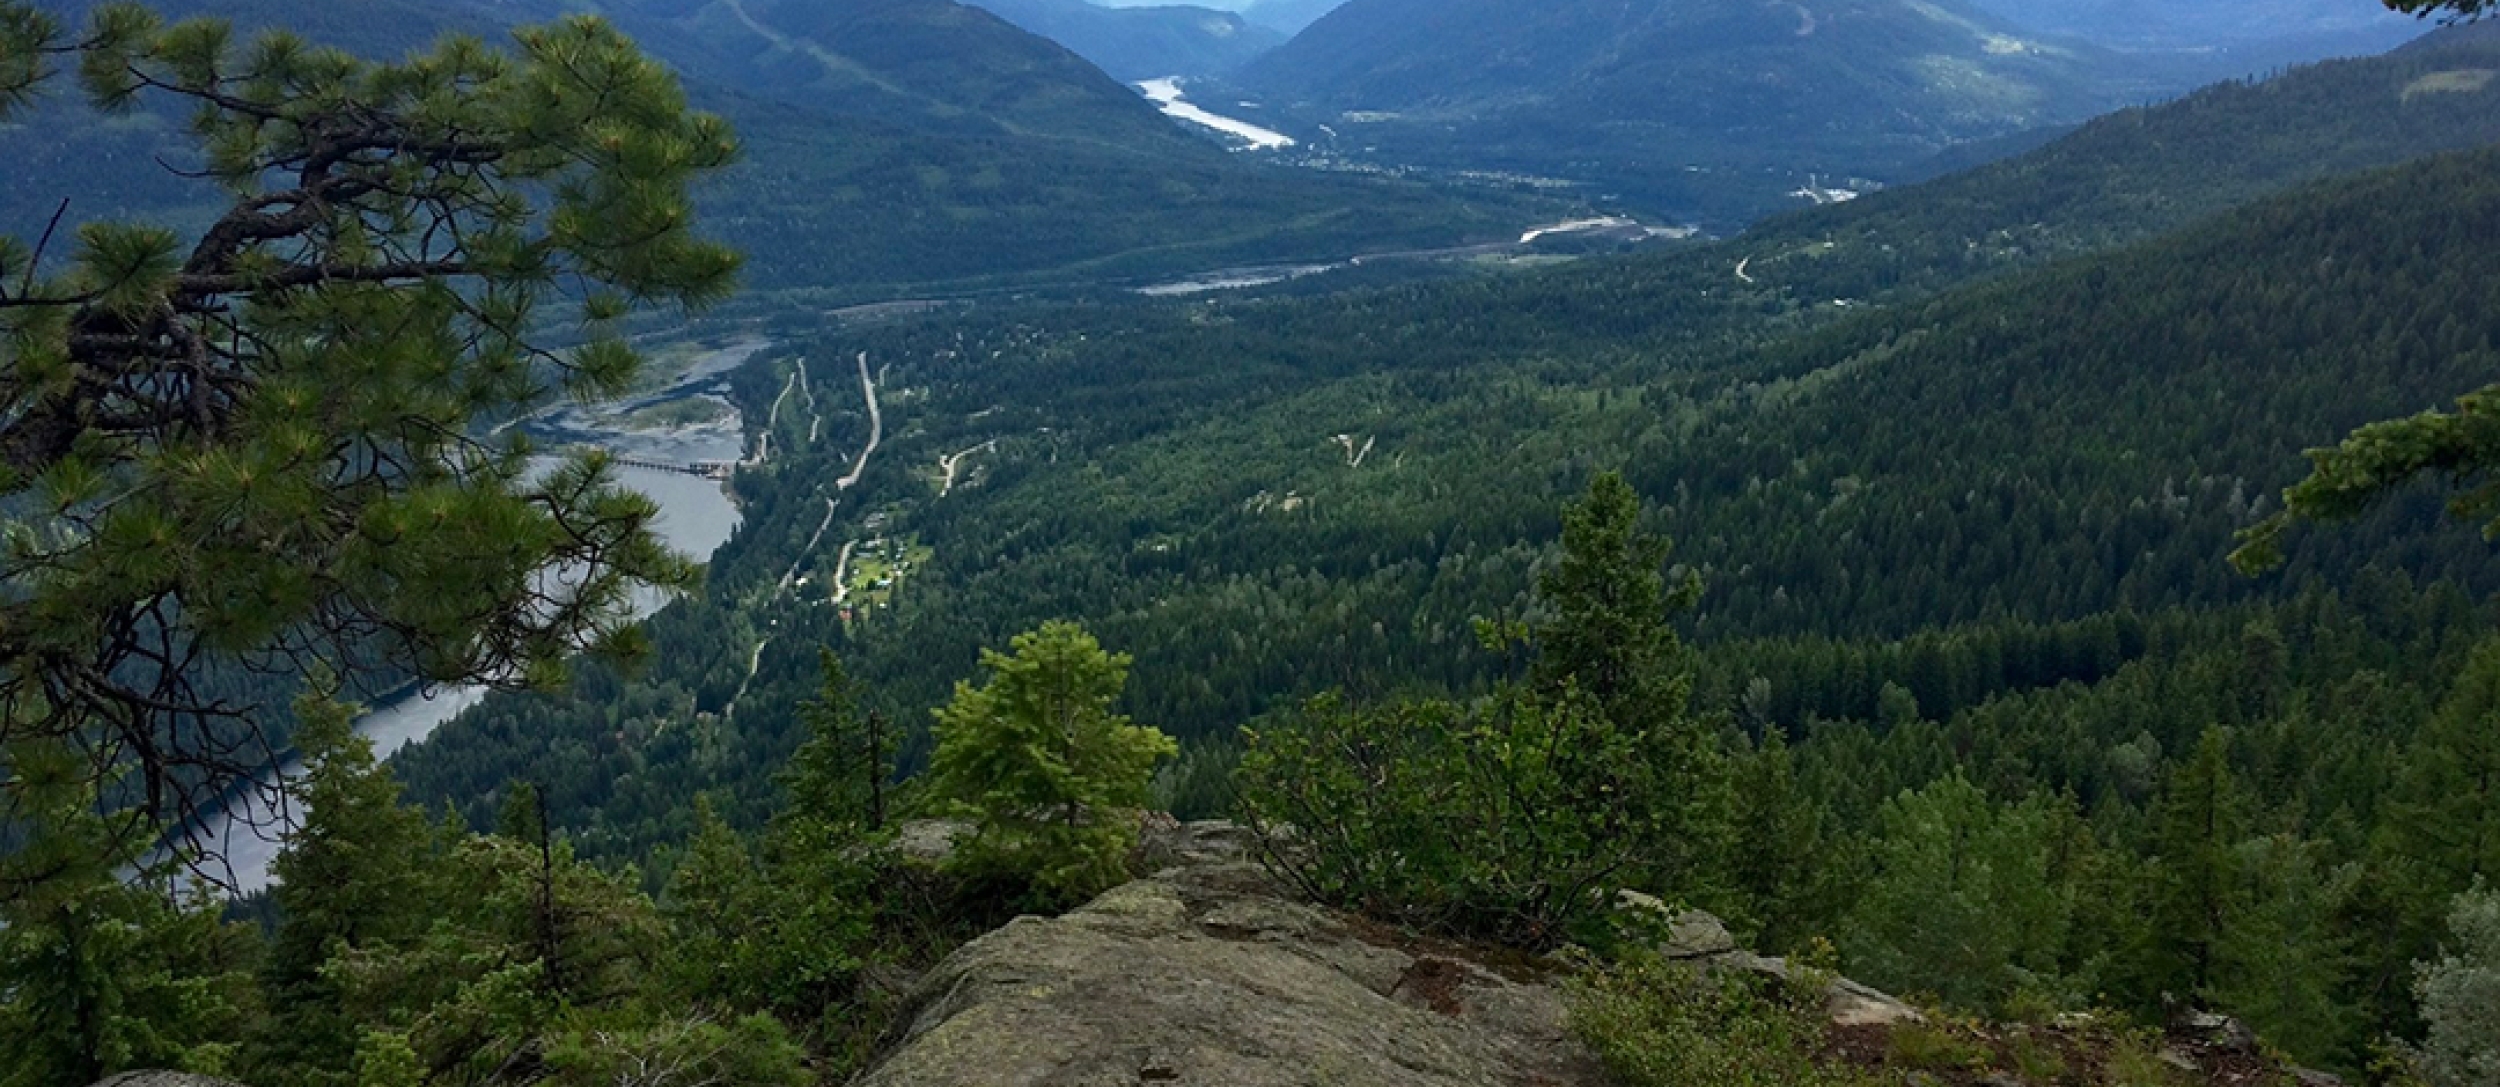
(1175, 476)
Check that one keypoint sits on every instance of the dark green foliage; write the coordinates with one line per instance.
(1962, 903)
(843, 773)
(1787, 865)
(786, 932)
(105, 974)
(2195, 826)
(354, 875)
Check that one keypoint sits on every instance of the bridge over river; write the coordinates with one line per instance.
(706, 469)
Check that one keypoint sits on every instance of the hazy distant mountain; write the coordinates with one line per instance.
(1717, 107)
(1289, 16)
(2206, 23)
(1138, 43)
(1745, 64)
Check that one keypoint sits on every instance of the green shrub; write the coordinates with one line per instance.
(1657, 1024)
(1926, 1048)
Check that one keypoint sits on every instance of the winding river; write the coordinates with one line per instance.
(696, 517)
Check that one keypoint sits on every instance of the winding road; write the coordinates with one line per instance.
(950, 465)
(876, 428)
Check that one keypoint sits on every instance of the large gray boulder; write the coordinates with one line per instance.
(1207, 976)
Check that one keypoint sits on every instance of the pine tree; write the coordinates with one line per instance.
(262, 440)
(2280, 965)
(1962, 904)
(840, 774)
(1782, 858)
(712, 907)
(1052, 775)
(1604, 635)
(1606, 606)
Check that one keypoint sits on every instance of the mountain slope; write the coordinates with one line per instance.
(894, 146)
(1141, 43)
(1635, 95)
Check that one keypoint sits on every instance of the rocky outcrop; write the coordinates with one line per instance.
(1205, 975)
(1701, 940)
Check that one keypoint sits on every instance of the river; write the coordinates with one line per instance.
(1166, 95)
(696, 517)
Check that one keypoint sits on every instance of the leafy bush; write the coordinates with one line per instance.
(2461, 998)
(1521, 816)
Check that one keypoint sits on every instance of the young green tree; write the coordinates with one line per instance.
(841, 773)
(1962, 904)
(1038, 759)
(1605, 607)
(258, 444)
(1605, 636)
(2281, 964)
(1783, 858)
(104, 974)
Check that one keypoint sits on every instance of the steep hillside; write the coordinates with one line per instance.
(1713, 110)
(1144, 42)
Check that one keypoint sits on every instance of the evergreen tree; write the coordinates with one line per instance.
(354, 873)
(1782, 859)
(1605, 606)
(1037, 757)
(2196, 875)
(841, 772)
(262, 442)
(104, 974)
(2281, 964)
(2448, 812)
